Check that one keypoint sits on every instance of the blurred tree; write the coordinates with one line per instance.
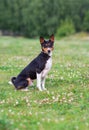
(86, 22)
(42, 17)
(66, 28)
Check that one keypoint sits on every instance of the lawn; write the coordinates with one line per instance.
(65, 104)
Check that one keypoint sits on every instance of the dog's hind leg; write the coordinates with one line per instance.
(30, 82)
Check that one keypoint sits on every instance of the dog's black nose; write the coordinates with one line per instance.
(48, 51)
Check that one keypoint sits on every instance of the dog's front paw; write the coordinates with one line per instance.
(45, 89)
(39, 88)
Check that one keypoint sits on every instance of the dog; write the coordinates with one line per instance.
(37, 68)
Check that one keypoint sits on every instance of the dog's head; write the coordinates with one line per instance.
(47, 45)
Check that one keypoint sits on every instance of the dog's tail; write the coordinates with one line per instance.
(11, 82)
(13, 79)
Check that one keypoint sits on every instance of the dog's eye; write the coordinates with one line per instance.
(45, 45)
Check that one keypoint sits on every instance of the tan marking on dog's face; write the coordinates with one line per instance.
(46, 50)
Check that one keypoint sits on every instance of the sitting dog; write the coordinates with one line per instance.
(37, 69)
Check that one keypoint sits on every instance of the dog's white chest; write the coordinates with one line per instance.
(47, 67)
(48, 64)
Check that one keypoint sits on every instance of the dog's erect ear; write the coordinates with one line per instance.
(52, 38)
(41, 40)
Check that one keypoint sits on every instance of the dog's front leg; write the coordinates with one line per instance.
(43, 83)
(39, 81)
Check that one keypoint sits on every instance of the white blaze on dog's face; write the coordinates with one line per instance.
(47, 46)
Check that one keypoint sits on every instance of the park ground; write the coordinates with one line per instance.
(65, 104)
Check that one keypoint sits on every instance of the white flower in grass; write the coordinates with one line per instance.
(76, 127)
(70, 100)
(65, 101)
(38, 123)
(30, 113)
(56, 121)
(2, 110)
(16, 129)
(28, 104)
(43, 119)
(61, 78)
(2, 102)
(17, 103)
(62, 119)
(53, 97)
(70, 94)
(52, 93)
(10, 110)
(48, 120)
(27, 100)
(87, 124)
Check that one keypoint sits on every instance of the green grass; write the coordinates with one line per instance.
(65, 106)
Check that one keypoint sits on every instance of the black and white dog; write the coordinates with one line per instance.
(37, 69)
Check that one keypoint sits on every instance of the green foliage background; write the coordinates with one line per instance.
(42, 17)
